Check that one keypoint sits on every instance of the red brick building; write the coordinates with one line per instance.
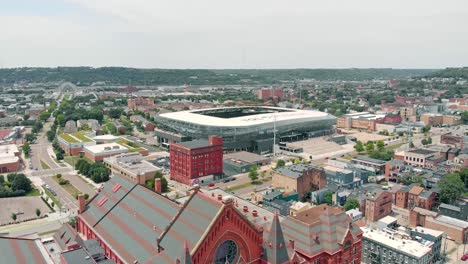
(401, 197)
(140, 103)
(133, 224)
(418, 197)
(378, 205)
(267, 93)
(194, 159)
(455, 228)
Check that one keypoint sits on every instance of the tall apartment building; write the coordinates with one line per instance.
(191, 160)
(378, 205)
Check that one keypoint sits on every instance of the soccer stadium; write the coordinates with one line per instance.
(244, 128)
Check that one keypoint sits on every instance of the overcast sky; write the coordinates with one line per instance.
(234, 33)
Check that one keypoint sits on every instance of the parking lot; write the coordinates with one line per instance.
(23, 207)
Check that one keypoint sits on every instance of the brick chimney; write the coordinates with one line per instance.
(81, 203)
(158, 185)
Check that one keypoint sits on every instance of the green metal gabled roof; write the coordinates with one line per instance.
(190, 225)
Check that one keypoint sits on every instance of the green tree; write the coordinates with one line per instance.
(380, 145)
(359, 147)
(253, 173)
(86, 196)
(30, 137)
(426, 128)
(328, 198)
(280, 163)
(73, 221)
(351, 204)
(38, 212)
(26, 149)
(465, 117)
(451, 187)
(44, 116)
(13, 216)
(60, 120)
(21, 182)
(369, 147)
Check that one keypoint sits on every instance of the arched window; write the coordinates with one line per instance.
(347, 244)
(227, 252)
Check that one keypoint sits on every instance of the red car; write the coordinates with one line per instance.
(464, 257)
(211, 185)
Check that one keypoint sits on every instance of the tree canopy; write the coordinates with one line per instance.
(451, 187)
(351, 204)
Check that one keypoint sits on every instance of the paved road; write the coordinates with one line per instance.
(80, 184)
(66, 200)
(39, 151)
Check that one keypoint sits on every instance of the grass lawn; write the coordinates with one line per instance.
(52, 197)
(68, 187)
(72, 160)
(238, 187)
(44, 165)
(34, 192)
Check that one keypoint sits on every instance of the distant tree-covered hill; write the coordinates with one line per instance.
(125, 76)
(451, 73)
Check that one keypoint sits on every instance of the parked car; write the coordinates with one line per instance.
(464, 257)
(211, 184)
(226, 180)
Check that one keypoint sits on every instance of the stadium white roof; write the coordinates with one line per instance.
(192, 116)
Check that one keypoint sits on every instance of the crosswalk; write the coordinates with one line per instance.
(50, 172)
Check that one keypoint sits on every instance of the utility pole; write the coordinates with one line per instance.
(274, 135)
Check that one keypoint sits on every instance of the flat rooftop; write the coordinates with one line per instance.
(245, 156)
(422, 151)
(265, 116)
(432, 232)
(369, 160)
(109, 147)
(408, 247)
(336, 169)
(194, 144)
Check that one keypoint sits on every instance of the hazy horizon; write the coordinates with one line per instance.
(213, 34)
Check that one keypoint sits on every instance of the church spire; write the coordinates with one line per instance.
(275, 248)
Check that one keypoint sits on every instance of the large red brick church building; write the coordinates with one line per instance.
(136, 225)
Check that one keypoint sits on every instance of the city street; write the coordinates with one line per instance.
(39, 151)
(65, 199)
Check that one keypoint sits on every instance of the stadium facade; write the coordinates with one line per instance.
(248, 128)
